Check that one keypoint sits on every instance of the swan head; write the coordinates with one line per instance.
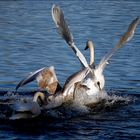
(99, 80)
(89, 44)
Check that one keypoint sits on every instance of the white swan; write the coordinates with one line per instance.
(28, 108)
(95, 84)
(94, 80)
(98, 70)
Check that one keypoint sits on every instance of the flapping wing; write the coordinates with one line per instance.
(125, 38)
(64, 31)
(31, 77)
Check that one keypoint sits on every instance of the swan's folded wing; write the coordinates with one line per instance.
(74, 78)
(125, 38)
(64, 31)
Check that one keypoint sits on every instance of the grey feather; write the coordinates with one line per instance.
(124, 39)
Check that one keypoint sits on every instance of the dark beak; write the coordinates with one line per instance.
(86, 47)
(98, 83)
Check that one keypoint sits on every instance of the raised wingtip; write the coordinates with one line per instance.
(31, 77)
(55, 14)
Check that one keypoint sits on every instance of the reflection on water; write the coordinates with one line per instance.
(29, 41)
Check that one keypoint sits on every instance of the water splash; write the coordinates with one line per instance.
(84, 104)
(81, 105)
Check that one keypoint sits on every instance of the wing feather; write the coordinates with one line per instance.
(63, 29)
(124, 39)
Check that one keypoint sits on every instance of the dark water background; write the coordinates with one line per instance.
(29, 41)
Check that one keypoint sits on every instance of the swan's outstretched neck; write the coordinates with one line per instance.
(90, 45)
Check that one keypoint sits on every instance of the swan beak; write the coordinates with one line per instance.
(86, 46)
(98, 84)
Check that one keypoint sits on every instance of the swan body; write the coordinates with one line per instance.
(28, 109)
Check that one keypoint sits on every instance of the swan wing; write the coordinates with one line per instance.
(74, 78)
(63, 29)
(125, 38)
(31, 77)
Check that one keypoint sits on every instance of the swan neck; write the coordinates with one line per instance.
(37, 95)
(91, 54)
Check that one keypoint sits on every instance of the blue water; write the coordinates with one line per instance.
(29, 41)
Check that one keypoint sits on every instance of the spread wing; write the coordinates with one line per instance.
(124, 39)
(44, 77)
(64, 31)
(31, 77)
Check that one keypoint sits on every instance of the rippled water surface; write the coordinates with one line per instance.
(29, 41)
